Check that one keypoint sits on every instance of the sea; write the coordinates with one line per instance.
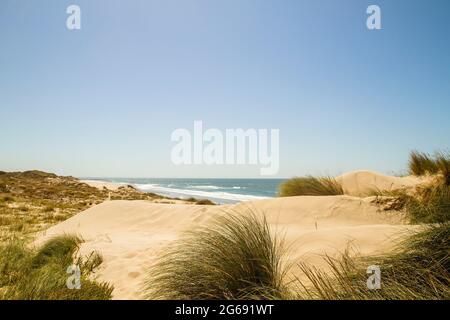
(218, 190)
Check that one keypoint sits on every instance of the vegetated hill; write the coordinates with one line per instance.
(31, 201)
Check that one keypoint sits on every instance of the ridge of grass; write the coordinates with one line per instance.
(310, 186)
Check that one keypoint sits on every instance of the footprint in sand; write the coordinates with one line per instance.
(130, 255)
(134, 274)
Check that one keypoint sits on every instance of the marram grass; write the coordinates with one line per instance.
(418, 270)
(233, 257)
(310, 186)
(421, 163)
(236, 257)
(41, 274)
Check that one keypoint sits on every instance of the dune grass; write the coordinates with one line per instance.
(200, 201)
(237, 258)
(443, 164)
(41, 274)
(431, 204)
(428, 204)
(418, 270)
(421, 163)
(310, 186)
(234, 257)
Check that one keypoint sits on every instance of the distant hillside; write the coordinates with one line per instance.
(31, 201)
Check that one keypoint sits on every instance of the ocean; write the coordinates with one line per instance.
(217, 190)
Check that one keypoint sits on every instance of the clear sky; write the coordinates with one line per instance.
(104, 100)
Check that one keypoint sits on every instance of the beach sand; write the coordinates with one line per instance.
(131, 234)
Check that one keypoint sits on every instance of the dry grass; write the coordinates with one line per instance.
(41, 274)
(32, 201)
(234, 257)
(418, 270)
(421, 163)
(310, 186)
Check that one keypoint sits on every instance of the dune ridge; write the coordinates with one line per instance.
(131, 234)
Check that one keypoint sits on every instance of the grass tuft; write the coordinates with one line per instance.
(29, 274)
(431, 204)
(235, 257)
(310, 186)
(205, 202)
(423, 164)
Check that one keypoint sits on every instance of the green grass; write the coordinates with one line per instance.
(7, 199)
(443, 164)
(430, 205)
(421, 163)
(41, 274)
(205, 202)
(310, 186)
(32, 201)
(200, 201)
(234, 257)
(418, 270)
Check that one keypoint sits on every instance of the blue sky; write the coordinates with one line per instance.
(104, 100)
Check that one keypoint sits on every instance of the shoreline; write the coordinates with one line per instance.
(176, 193)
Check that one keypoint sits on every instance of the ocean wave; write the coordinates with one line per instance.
(207, 187)
(197, 193)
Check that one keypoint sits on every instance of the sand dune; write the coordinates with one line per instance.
(130, 234)
(362, 183)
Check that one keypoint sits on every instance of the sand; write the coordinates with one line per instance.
(131, 234)
(103, 184)
(362, 183)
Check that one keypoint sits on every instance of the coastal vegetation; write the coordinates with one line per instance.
(419, 269)
(421, 163)
(32, 201)
(237, 256)
(310, 186)
(234, 257)
(205, 202)
(41, 274)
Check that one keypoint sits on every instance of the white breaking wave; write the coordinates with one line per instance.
(197, 193)
(207, 187)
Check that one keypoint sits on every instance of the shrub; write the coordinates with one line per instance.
(205, 202)
(310, 186)
(235, 257)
